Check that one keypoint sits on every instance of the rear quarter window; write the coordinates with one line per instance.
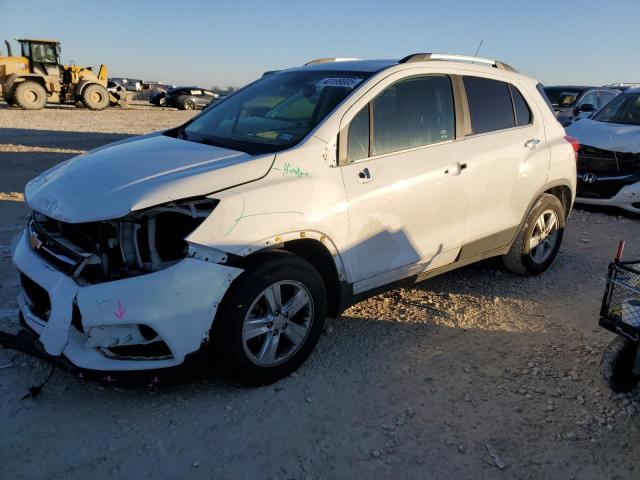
(520, 107)
(490, 104)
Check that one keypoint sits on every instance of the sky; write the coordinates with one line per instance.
(230, 43)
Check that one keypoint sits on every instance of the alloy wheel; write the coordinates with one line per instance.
(544, 236)
(277, 323)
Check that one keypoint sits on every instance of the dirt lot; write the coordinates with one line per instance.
(414, 383)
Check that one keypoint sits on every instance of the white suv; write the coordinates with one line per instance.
(238, 233)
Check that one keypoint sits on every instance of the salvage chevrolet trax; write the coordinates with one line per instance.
(239, 232)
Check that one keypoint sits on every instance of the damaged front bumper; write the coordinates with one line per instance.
(628, 198)
(145, 322)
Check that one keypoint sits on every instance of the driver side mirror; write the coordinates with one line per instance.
(586, 107)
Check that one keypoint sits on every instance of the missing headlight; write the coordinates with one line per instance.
(142, 242)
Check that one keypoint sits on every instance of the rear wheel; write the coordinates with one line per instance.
(539, 238)
(271, 320)
(617, 365)
(95, 97)
(30, 96)
(162, 102)
(188, 105)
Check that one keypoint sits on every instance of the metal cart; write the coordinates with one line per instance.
(620, 313)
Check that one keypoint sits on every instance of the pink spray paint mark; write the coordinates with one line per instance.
(120, 312)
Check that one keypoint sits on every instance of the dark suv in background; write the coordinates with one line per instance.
(189, 98)
(571, 100)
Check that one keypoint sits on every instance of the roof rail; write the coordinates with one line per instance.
(425, 57)
(329, 60)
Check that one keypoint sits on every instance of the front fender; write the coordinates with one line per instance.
(16, 78)
(82, 84)
(276, 210)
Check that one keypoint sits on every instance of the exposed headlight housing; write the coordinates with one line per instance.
(141, 242)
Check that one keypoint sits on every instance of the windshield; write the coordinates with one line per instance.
(562, 97)
(44, 52)
(273, 113)
(623, 109)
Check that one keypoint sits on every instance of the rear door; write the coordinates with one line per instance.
(406, 203)
(507, 162)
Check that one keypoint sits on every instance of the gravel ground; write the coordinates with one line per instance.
(413, 383)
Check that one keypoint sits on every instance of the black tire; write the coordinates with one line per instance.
(227, 333)
(95, 97)
(162, 102)
(617, 365)
(10, 100)
(30, 96)
(188, 105)
(520, 258)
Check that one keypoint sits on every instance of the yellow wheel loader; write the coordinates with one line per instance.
(36, 78)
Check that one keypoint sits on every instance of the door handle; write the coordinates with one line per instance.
(455, 169)
(532, 143)
(364, 175)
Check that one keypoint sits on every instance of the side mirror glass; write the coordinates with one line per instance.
(587, 107)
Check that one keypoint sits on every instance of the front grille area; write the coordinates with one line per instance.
(603, 173)
(38, 298)
(607, 162)
(601, 188)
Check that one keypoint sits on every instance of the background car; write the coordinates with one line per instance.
(189, 98)
(157, 98)
(570, 100)
(609, 154)
(622, 86)
(131, 84)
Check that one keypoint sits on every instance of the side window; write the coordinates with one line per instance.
(589, 98)
(489, 104)
(604, 98)
(358, 136)
(411, 113)
(523, 112)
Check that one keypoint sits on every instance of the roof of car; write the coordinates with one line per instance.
(573, 87)
(351, 65)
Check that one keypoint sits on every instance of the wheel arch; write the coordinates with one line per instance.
(82, 84)
(563, 192)
(561, 189)
(320, 253)
(15, 79)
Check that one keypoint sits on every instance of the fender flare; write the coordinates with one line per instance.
(82, 84)
(16, 78)
(278, 240)
(548, 186)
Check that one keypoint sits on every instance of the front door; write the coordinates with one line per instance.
(406, 202)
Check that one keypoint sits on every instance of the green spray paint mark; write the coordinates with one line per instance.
(288, 169)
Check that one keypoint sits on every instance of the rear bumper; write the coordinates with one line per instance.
(627, 198)
(179, 303)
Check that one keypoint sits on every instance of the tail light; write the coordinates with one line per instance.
(575, 143)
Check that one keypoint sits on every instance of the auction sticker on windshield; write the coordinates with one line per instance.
(339, 82)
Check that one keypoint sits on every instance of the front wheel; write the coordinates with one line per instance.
(188, 105)
(271, 319)
(538, 239)
(95, 97)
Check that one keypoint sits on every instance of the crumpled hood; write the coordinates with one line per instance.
(137, 173)
(607, 136)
